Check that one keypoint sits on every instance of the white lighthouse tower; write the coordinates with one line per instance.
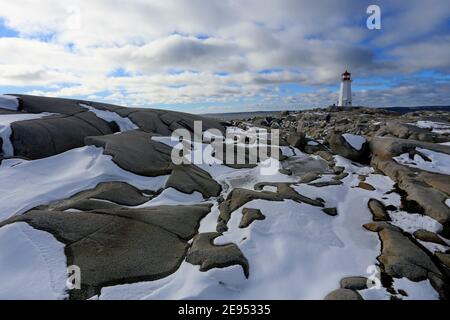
(345, 95)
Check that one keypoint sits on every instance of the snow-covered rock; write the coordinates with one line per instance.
(61, 176)
(355, 141)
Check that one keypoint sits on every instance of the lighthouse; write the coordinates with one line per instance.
(345, 95)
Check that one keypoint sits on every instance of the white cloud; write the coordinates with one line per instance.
(82, 43)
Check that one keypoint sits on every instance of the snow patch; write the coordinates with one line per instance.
(434, 247)
(355, 141)
(9, 102)
(290, 151)
(299, 239)
(270, 188)
(436, 127)
(440, 162)
(32, 264)
(60, 177)
(171, 196)
(124, 123)
(352, 167)
(422, 290)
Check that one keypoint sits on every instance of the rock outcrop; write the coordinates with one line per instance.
(204, 253)
(72, 123)
(103, 242)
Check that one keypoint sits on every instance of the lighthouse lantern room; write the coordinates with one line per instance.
(345, 94)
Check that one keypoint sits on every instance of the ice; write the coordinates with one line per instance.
(289, 255)
(434, 247)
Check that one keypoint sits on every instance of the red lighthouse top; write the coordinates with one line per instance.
(346, 75)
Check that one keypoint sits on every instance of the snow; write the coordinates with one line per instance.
(436, 127)
(416, 291)
(5, 128)
(309, 251)
(300, 240)
(293, 271)
(239, 178)
(375, 294)
(434, 247)
(447, 202)
(445, 143)
(411, 222)
(32, 264)
(198, 285)
(297, 252)
(355, 141)
(60, 177)
(440, 162)
(9, 102)
(171, 196)
(124, 123)
(290, 151)
(270, 188)
(247, 178)
(352, 167)
(312, 143)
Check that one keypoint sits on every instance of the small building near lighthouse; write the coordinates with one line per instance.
(345, 94)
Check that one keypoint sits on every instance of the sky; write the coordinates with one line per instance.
(207, 56)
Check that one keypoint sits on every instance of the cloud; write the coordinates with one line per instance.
(202, 51)
(431, 54)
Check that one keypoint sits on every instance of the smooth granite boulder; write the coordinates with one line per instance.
(135, 151)
(120, 245)
(204, 253)
(340, 146)
(40, 138)
(343, 294)
(189, 178)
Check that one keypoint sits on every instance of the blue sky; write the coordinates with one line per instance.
(225, 56)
